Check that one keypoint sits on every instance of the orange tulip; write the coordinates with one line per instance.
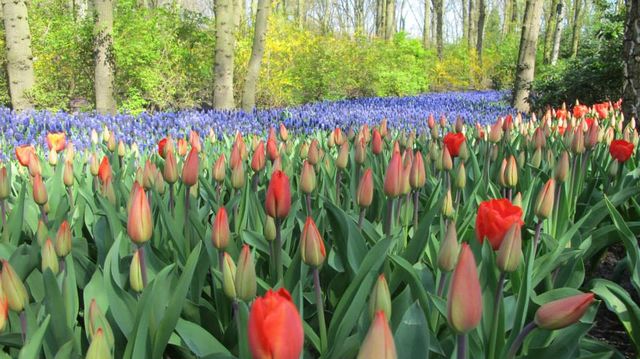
(312, 245)
(258, 161)
(393, 177)
(56, 141)
(464, 304)
(39, 190)
(278, 200)
(365, 189)
(191, 168)
(563, 312)
(220, 229)
(140, 223)
(23, 154)
(104, 171)
(379, 340)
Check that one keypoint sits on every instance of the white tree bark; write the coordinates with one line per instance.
(224, 56)
(19, 56)
(257, 52)
(555, 52)
(103, 76)
(527, 55)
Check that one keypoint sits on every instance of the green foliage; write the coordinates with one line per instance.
(594, 75)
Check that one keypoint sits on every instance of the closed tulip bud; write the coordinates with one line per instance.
(593, 135)
(191, 168)
(494, 153)
(135, 150)
(236, 157)
(63, 239)
(545, 201)
(613, 169)
(245, 280)
(53, 157)
(148, 175)
(269, 230)
(228, 276)
(577, 143)
(219, 169)
(447, 161)
(139, 175)
(258, 161)
(94, 137)
(418, 175)
(39, 190)
(449, 249)
(379, 340)
(307, 178)
(272, 150)
(49, 257)
(4, 310)
(135, 272)
(463, 152)
(495, 133)
(311, 244)
(343, 156)
(461, 177)
(67, 174)
(447, 205)
(182, 147)
(5, 184)
(380, 298)
(111, 143)
(170, 171)
(34, 164)
(121, 149)
(376, 142)
(361, 152)
(284, 134)
(99, 348)
(511, 173)
(277, 165)
(539, 138)
(521, 160)
(238, 177)
(94, 165)
(464, 302)
(13, 288)
(98, 321)
(365, 189)
(435, 132)
(278, 197)
(108, 191)
(562, 313)
(313, 155)
(140, 223)
(510, 251)
(42, 233)
(159, 183)
(392, 179)
(338, 137)
(562, 167)
(609, 135)
(536, 160)
(104, 171)
(383, 128)
(220, 230)
(517, 200)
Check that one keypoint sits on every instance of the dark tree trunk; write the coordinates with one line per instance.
(631, 86)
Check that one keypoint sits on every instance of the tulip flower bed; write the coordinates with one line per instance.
(374, 239)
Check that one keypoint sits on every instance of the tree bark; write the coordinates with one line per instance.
(326, 21)
(472, 24)
(426, 30)
(438, 6)
(506, 21)
(104, 77)
(527, 55)
(555, 53)
(631, 85)
(577, 27)
(19, 56)
(551, 25)
(257, 52)
(224, 57)
(380, 14)
(390, 17)
(358, 12)
(465, 19)
(480, 36)
(238, 13)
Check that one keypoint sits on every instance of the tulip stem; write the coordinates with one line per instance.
(496, 312)
(278, 251)
(23, 325)
(462, 346)
(172, 200)
(536, 239)
(3, 209)
(220, 263)
(308, 202)
(519, 339)
(254, 181)
(389, 217)
(70, 194)
(43, 215)
(416, 207)
(143, 267)
(338, 180)
(441, 283)
(319, 305)
(361, 218)
(487, 163)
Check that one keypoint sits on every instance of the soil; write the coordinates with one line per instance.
(607, 327)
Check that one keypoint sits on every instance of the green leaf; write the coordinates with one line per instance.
(630, 244)
(412, 341)
(622, 305)
(32, 347)
(199, 341)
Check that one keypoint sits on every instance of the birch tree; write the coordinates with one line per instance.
(19, 56)
(103, 42)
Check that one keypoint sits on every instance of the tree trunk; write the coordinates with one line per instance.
(515, 17)
(380, 13)
(549, 32)
(238, 13)
(426, 30)
(438, 6)
(103, 81)
(558, 33)
(253, 69)
(465, 19)
(358, 10)
(473, 24)
(326, 21)
(527, 55)
(223, 68)
(480, 37)
(506, 21)
(390, 17)
(19, 56)
(631, 85)
(576, 28)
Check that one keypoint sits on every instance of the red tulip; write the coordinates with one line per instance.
(621, 150)
(272, 149)
(278, 201)
(379, 340)
(191, 168)
(563, 312)
(258, 161)
(164, 145)
(365, 189)
(464, 303)
(494, 219)
(314, 153)
(56, 141)
(275, 327)
(139, 223)
(393, 177)
(580, 110)
(453, 141)
(104, 171)
(376, 142)
(194, 140)
(23, 154)
(220, 229)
